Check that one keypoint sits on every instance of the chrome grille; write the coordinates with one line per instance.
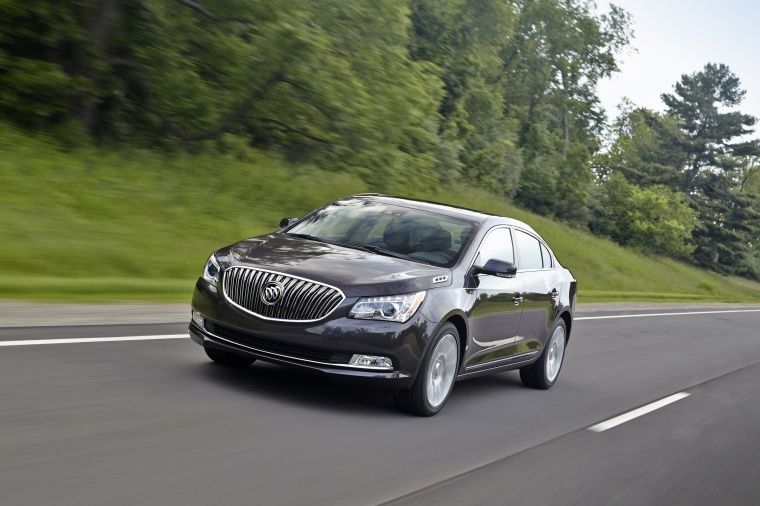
(301, 299)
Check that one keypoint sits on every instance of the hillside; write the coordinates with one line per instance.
(101, 225)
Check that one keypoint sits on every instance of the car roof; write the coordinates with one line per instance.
(445, 209)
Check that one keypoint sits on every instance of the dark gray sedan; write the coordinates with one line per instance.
(400, 293)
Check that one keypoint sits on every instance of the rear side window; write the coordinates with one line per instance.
(496, 246)
(530, 251)
(547, 256)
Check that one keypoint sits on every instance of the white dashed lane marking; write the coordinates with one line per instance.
(614, 422)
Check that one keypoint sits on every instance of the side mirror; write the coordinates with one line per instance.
(498, 268)
(286, 222)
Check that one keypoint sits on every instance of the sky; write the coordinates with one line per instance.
(676, 37)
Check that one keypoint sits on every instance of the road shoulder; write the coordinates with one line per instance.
(15, 314)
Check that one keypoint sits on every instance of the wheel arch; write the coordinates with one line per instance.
(460, 323)
(568, 319)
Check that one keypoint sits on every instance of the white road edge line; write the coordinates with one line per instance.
(665, 314)
(93, 340)
(614, 422)
(181, 336)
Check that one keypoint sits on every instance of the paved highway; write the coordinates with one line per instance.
(154, 422)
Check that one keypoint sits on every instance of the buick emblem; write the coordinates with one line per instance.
(272, 293)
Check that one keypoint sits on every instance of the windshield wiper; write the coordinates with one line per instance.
(306, 236)
(382, 251)
(364, 247)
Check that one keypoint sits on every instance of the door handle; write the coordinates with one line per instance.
(517, 299)
(554, 293)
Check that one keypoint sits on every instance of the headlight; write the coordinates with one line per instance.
(392, 308)
(211, 270)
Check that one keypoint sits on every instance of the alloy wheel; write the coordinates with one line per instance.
(442, 371)
(555, 353)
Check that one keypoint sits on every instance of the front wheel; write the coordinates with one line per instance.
(227, 358)
(435, 379)
(544, 372)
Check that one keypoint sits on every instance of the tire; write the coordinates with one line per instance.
(435, 379)
(544, 372)
(227, 358)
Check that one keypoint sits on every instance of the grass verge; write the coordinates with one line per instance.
(101, 225)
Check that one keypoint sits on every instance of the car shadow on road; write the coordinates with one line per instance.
(293, 387)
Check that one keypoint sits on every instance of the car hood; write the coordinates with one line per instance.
(357, 273)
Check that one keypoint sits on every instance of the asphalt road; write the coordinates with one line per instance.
(154, 422)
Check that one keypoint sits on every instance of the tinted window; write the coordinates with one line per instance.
(530, 251)
(547, 257)
(423, 236)
(498, 246)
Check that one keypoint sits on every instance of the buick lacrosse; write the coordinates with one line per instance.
(399, 293)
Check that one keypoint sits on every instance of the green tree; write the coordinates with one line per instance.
(712, 144)
(551, 69)
(39, 82)
(645, 147)
(464, 40)
(326, 80)
(654, 219)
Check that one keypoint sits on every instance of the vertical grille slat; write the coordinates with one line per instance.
(308, 301)
(311, 301)
(246, 289)
(227, 284)
(326, 303)
(296, 302)
(256, 303)
(281, 308)
(300, 299)
(319, 300)
(251, 284)
(288, 301)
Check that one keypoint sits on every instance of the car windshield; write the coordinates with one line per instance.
(392, 230)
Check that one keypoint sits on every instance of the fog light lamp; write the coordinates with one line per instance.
(198, 318)
(373, 361)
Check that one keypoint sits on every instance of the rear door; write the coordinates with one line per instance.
(495, 314)
(536, 268)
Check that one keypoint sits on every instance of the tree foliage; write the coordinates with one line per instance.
(326, 79)
(653, 219)
(500, 94)
(552, 68)
(702, 101)
(698, 148)
(418, 90)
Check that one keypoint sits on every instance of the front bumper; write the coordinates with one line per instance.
(319, 347)
(390, 379)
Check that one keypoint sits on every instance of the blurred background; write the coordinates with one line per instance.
(136, 136)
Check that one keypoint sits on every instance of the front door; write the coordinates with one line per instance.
(497, 309)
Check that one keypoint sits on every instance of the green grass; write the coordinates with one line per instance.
(102, 225)
(608, 272)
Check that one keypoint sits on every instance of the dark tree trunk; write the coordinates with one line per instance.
(100, 30)
(565, 121)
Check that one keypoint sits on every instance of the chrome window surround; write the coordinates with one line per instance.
(489, 232)
(514, 248)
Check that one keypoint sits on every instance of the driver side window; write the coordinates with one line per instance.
(497, 245)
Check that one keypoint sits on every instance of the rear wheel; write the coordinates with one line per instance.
(227, 358)
(544, 372)
(435, 380)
